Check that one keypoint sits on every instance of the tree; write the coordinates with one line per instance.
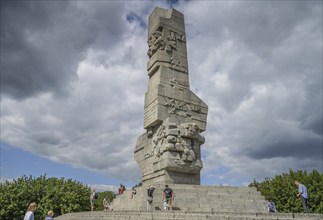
(60, 195)
(283, 191)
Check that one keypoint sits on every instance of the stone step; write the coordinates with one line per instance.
(179, 215)
(196, 195)
(196, 198)
(201, 189)
(200, 193)
(182, 202)
(196, 206)
(204, 190)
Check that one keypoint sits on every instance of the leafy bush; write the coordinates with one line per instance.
(60, 195)
(283, 191)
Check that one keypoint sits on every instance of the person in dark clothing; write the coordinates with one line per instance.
(271, 207)
(168, 198)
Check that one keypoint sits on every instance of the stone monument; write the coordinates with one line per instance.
(174, 117)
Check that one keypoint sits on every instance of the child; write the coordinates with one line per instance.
(50, 215)
(106, 203)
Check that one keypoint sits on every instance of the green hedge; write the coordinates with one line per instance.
(283, 191)
(60, 195)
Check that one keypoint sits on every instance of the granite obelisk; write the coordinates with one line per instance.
(174, 117)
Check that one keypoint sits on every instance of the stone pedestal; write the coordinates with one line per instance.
(192, 202)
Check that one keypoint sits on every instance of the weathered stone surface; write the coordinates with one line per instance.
(174, 215)
(194, 202)
(185, 215)
(197, 198)
(174, 117)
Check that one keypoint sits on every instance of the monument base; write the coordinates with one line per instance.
(191, 202)
(175, 215)
(171, 177)
(196, 198)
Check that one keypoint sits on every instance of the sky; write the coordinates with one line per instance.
(74, 76)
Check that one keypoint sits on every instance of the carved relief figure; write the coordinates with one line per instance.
(158, 140)
(155, 42)
(181, 108)
(193, 131)
(171, 43)
(184, 139)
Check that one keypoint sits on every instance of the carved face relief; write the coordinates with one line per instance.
(168, 137)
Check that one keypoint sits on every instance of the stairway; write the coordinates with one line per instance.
(193, 202)
(180, 215)
(197, 198)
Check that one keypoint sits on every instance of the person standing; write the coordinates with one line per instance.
(30, 211)
(168, 197)
(93, 196)
(271, 207)
(302, 192)
(121, 189)
(50, 215)
(150, 191)
(133, 192)
(106, 203)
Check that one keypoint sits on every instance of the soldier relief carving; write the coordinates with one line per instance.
(169, 44)
(183, 141)
(155, 42)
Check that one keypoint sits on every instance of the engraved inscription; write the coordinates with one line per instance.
(151, 113)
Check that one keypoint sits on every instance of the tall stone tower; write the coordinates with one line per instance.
(174, 117)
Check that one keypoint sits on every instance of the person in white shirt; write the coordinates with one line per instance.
(30, 211)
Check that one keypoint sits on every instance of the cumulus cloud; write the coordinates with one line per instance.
(43, 45)
(74, 77)
(264, 88)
